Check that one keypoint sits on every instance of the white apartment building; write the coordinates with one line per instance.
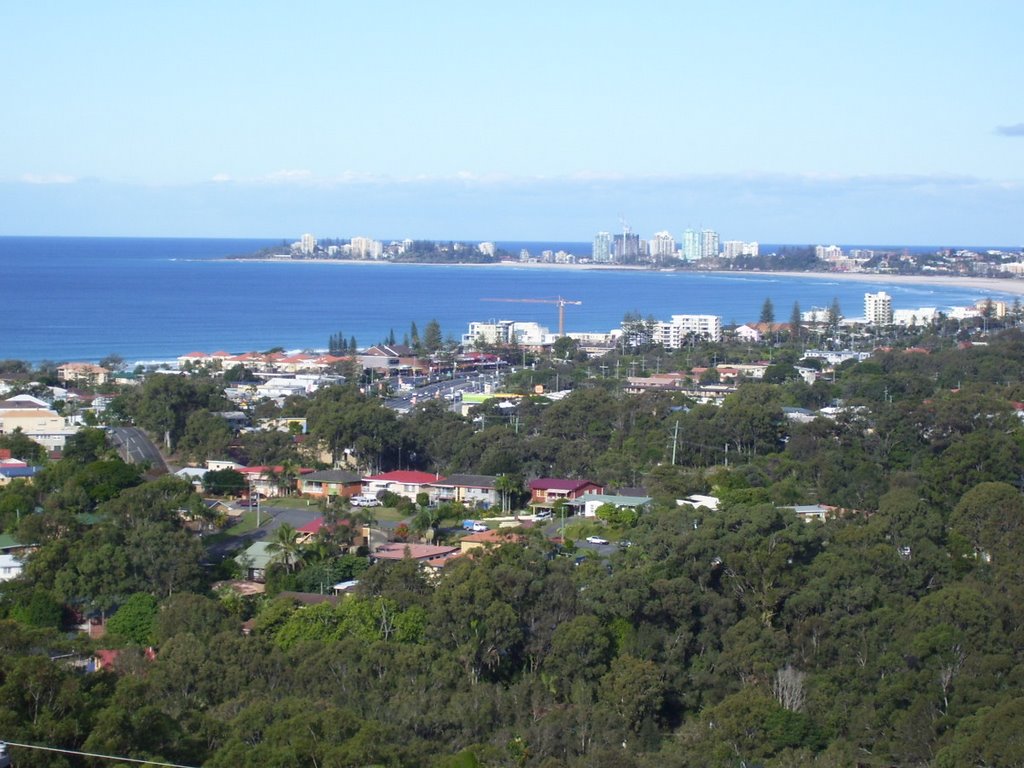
(307, 244)
(709, 244)
(676, 332)
(662, 244)
(507, 332)
(691, 245)
(365, 248)
(602, 250)
(878, 308)
(828, 252)
(487, 249)
(914, 317)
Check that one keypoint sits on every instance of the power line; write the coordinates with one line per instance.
(94, 754)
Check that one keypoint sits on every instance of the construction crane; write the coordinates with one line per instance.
(557, 300)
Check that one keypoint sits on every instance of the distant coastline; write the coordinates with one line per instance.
(990, 284)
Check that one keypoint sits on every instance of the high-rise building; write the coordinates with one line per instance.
(681, 328)
(828, 252)
(626, 247)
(487, 249)
(732, 248)
(307, 244)
(878, 308)
(602, 250)
(365, 248)
(662, 245)
(708, 244)
(691, 245)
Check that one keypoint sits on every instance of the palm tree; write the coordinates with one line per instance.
(506, 485)
(285, 547)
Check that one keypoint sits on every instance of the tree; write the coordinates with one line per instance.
(133, 622)
(796, 322)
(767, 312)
(414, 336)
(432, 337)
(834, 315)
(285, 547)
(112, 362)
(224, 482)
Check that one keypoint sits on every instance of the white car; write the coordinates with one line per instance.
(596, 540)
(478, 528)
(364, 501)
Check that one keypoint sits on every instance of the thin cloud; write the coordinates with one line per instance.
(1011, 130)
(48, 178)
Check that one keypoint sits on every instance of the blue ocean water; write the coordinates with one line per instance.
(154, 299)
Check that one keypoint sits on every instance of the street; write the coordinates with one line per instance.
(135, 447)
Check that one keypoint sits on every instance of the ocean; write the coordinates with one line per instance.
(153, 299)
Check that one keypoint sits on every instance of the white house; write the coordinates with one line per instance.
(10, 567)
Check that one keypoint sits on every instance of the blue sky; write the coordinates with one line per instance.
(783, 122)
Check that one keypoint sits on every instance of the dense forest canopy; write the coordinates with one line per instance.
(890, 634)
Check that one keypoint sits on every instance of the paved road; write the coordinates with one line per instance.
(449, 389)
(135, 447)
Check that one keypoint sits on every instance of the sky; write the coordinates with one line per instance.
(783, 122)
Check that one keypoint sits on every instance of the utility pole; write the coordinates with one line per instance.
(675, 441)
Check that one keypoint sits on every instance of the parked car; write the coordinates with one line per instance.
(596, 540)
(364, 500)
(479, 528)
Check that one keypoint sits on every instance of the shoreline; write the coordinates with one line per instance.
(991, 284)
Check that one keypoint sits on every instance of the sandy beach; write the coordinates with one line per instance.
(983, 285)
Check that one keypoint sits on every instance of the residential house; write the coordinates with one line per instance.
(36, 421)
(256, 560)
(589, 503)
(426, 554)
(757, 332)
(194, 475)
(83, 373)
(698, 500)
(14, 469)
(271, 481)
(330, 482)
(471, 490)
(808, 512)
(407, 483)
(489, 539)
(10, 567)
(545, 492)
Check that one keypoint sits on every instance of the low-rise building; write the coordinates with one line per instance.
(83, 373)
(330, 482)
(471, 490)
(406, 483)
(545, 492)
(588, 504)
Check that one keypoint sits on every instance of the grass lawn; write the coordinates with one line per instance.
(246, 524)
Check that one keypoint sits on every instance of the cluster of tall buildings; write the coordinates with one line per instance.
(697, 244)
